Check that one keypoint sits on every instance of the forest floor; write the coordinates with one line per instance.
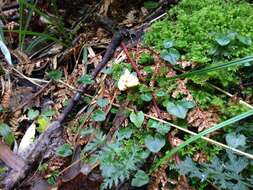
(118, 95)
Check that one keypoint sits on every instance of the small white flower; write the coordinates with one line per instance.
(127, 80)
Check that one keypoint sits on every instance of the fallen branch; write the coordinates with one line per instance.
(54, 130)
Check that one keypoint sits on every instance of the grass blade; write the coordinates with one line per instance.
(168, 154)
(216, 67)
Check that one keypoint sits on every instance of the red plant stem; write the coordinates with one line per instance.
(135, 67)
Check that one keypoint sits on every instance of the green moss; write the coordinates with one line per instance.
(191, 23)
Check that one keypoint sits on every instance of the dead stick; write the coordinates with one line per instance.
(13, 179)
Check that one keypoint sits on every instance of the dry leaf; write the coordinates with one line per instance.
(127, 80)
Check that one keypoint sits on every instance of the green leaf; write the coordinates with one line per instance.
(102, 102)
(187, 104)
(147, 97)
(235, 140)
(151, 5)
(223, 40)
(6, 133)
(171, 55)
(86, 79)
(244, 40)
(33, 114)
(140, 179)
(43, 123)
(200, 135)
(137, 118)
(64, 150)
(55, 74)
(177, 110)
(48, 113)
(154, 143)
(161, 128)
(168, 44)
(203, 71)
(160, 93)
(125, 133)
(98, 115)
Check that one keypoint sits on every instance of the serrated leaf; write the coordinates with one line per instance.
(64, 150)
(55, 74)
(137, 118)
(140, 179)
(235, 140)
(33, 114)
(154, 143)
(86, 79)
(147, 97)
(102, 102)
(6, 133)
(98, 115)
(43, 123)
(171, 55)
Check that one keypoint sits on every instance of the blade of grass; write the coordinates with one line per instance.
(21, 16)
(216, 67)
(27, 24)
(170, 153)
(54, 21)
(47, 36)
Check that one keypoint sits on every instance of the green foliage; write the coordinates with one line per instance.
(86, 79)
(151, 4)
(140, 179)
(33, 114)
(137, 118)
(55, 74)
(146, 59)
(235, 140)
(161, 128)
(226, 173)
(98, 115)
(7, 134)
(154, 143)
(64, 150)
(191, 25)
(170, 54)
(102, 102)
(179, 109)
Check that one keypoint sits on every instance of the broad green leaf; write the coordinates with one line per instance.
(235, 140)
(187, 104)
(6, 133)
(64, 150)
(147, 97)
(98, 115)
(223, 40)
(154, 143)
(176, 109)
(125, 133)
(200, 135)
(244, 40)
(102, 102)
(55, 74)
(137, 118)
(168, 44)
(86, 79)
(48, 113)
(161, 128)
(140, 179)
(33, 114)
(171, 55)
